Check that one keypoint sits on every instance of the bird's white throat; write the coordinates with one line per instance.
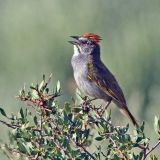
(76, 51)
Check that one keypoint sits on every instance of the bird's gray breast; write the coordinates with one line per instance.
(86, 86)
(80, 70)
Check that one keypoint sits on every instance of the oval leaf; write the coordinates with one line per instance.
(3, 112)
(99, 138)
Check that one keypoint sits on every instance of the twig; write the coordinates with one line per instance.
(41, 130)
(59, 146)
(9, 125)
(85, 150)
(100, 116)
(49, 79)
(71, 140)
(14, 126)
(153, 148)
(122, 154)
(12, 150)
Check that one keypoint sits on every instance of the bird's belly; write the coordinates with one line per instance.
(89, 88)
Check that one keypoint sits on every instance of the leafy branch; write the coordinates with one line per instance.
(46, 130)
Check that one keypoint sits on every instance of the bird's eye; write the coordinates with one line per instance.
(84, 42)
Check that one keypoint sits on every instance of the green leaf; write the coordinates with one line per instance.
(22, 93)
(3, 112)
(86, 133)
(41, 85)
(58, 87)
(46, 90)
(108, 115)
(47, 129)
(23, 148)
(76, 109)
(35, 94)
(35, 120)
(153, 157)
(116, 157)
(67, 107)
(66, 118)
(99, 138)
(75, 152)
(156, 124)
(13, 117)
(44, 77)
(142, 126)
(21, 113)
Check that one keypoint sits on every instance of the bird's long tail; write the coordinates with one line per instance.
(126, 111)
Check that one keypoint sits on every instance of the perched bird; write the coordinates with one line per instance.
(91, 75)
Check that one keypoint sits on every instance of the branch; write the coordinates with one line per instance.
(118, 149)
(153, 148)
(9, 125)
(85, 150)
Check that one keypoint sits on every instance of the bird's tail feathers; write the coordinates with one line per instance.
(126, 111)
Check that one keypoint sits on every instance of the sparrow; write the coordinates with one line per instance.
(92, 77)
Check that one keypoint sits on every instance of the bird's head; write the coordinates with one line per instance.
(87, 44)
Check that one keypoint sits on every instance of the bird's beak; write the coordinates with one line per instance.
(76, 41)
(75, 37)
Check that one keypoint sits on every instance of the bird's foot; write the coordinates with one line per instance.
(109, 102)
(102, 110)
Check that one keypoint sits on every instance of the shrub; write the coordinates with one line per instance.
(46, 130)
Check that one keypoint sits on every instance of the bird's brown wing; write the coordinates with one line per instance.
(104, 79)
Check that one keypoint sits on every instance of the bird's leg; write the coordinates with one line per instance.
(85, 98)
(90, 100)
(109, 102)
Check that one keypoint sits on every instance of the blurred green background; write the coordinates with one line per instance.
(33, 41)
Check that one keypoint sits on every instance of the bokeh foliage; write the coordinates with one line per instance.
(33, 41)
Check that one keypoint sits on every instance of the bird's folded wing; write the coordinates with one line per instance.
(103, 78)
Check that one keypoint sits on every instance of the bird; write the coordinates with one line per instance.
(92, 77)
